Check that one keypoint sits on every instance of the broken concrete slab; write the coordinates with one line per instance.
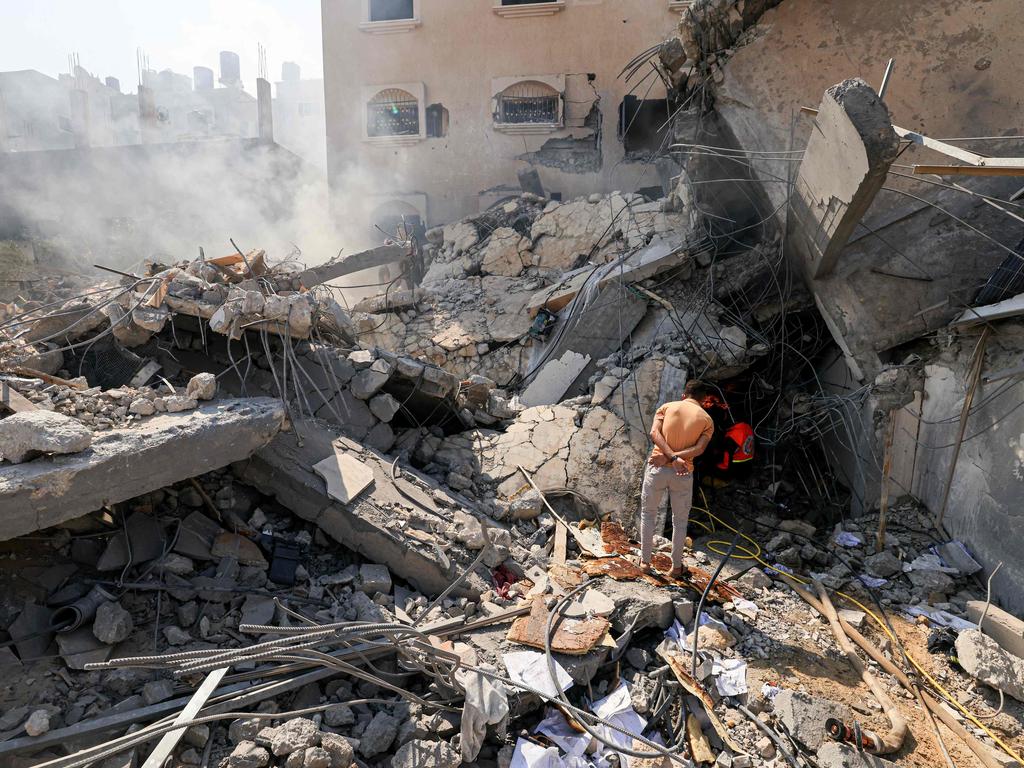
(1005, 628)
(833, 189)
(377, 523)
(33, 432)
(659, 255)
(981, 657)
(805, 715)
(638, 604)
(125, 463)
(554, 378)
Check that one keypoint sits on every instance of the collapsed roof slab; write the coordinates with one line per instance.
(401, 519)
(125, 463)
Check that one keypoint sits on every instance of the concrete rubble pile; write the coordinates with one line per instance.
(479, 529)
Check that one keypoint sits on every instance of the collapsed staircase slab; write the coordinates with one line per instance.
(125, 463)
(403, 519)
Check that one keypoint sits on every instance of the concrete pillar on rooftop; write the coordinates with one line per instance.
(265, 110)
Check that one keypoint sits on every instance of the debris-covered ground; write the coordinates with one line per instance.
(247, 524)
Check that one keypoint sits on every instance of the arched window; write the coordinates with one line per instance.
(528, 102)
(393, 112)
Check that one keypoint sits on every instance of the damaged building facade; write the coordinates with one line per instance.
(543, 94)
(255, 519)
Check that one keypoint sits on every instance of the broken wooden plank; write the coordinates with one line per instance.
(32, 373)
(675, 662)
(170, 739)
(572, 636)
(970, 170)
(1001, 310)
(14, 401)
(357, 262)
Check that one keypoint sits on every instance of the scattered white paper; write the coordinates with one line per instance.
(530, 755)
(730, 676)
(769, 691)
(617, 708)
(847, 539)
(531, 668)
(556, 728)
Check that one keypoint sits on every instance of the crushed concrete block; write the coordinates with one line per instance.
(179, 403)
(316, 757)
(381, 437)
(384, 406)
(884, 565)
(1005, 628)
(639, 602)
(374, 578)
(553, 379)
(339, 748)
(30, 433)
(202, 386)
(339, 715)
(142, 406)
(124, 463)
(379, 735)
(295, 734)
(369, 381)
(932, 581)
(832, 754)
(38, 723)
(112, 623)
(712, 636)
(247, 755)
(526, 506)
(156, 691)
(426, 754)
(982, 658)
(805, 715)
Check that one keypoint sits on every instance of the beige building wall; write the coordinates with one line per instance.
(460, 54)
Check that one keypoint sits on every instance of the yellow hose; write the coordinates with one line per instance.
(718, 547)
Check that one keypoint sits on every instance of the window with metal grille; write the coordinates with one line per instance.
(393, 112)
(391, 10)
(529, 102)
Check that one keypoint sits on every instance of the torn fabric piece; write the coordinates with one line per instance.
(486, 704)
(531, 669)
(617, 708)
(557, 728)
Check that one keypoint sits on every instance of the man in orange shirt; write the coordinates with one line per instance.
(681, 431)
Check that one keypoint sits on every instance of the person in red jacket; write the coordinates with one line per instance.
(737, 450)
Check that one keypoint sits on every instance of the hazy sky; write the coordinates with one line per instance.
(175, 34)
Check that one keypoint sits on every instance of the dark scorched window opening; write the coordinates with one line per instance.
(393, 113)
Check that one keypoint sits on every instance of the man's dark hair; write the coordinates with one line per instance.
(697, 389)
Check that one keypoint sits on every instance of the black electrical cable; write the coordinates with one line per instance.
(704, 596)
